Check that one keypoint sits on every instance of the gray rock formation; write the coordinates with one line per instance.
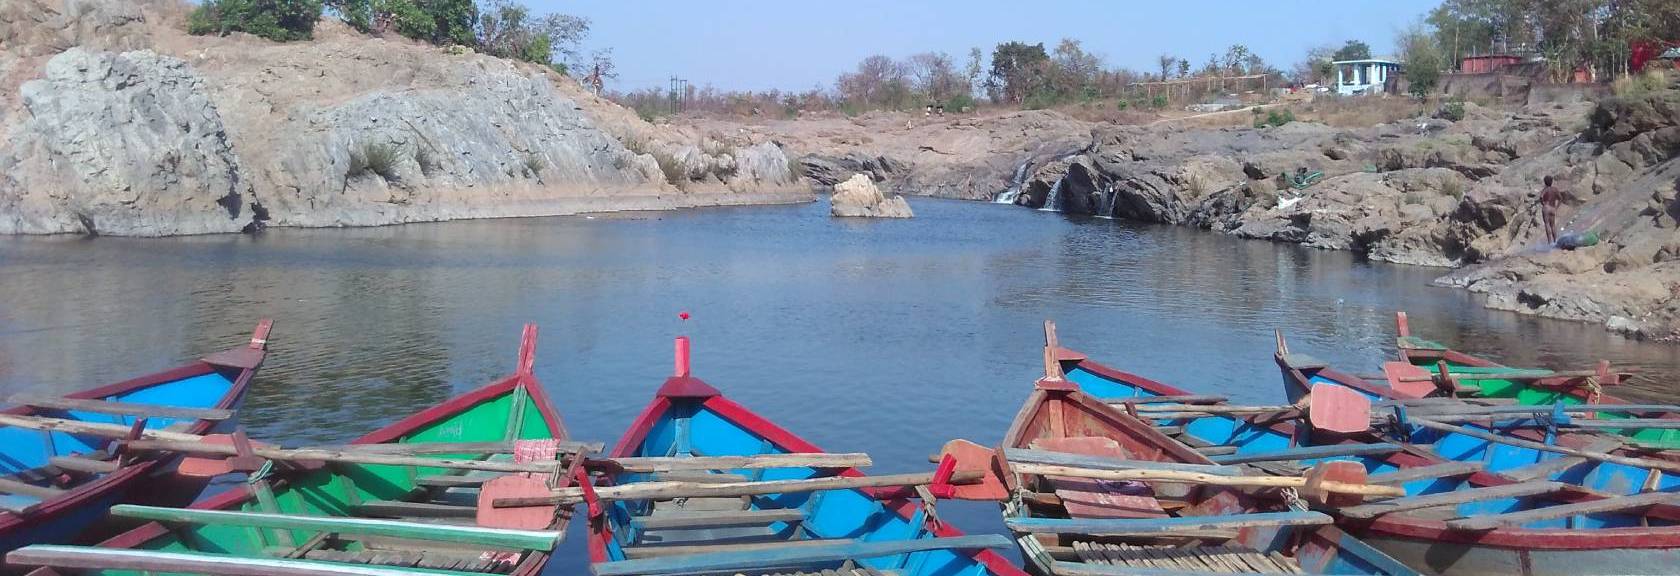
(119, 143)
(858, 197)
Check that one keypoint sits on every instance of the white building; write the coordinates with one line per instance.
(1367, 76)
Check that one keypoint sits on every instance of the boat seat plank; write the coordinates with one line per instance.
(793, 556)
(718, 519)
(452, 481)
(1179, 399)
(1031, 456)
(493, 537)
(657, 550)
(1546, 468)
(120, 408)
(20, 488)
(1152, 526)
(402, 509)
(84, 464)
(1300, 361)
(92, 558)
(18, 504)
(1442, 470)
(1197, 559)
(1456, 497)
(1211, 451)
(1172, 430)
(1613, 504)
(414, 559)
(1309, 453)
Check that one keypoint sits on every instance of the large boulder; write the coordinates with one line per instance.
(858, 197)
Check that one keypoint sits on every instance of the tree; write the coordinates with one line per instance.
(601, 69)
(935, 77)
(1353, 50)
(1316, 67)
(1421, 58)
(1167, 61)
(1235, 57)
(1183, 68)
(1073, 72)
(1211, 68)
(506, 30)
(1017, 69)
(278, 20)
(877, 82)
(976, 63)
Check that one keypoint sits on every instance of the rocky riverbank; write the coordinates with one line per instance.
(1452, 188)
(117, 122)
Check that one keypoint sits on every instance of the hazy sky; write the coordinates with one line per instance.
(759, 45)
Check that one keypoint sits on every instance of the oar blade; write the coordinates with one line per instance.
(207, 466)
(1339, 409)
(522, 518)
(973, 457)
(1409, 380)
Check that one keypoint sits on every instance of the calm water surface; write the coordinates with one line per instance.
(887, 337)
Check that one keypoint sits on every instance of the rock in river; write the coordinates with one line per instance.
(858, 197)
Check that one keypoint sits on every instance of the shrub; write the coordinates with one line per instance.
(1121, 105)
(674, 172)
(1639, 84)
(1159, 102)
(423, 157)
(960, 103)
(534, 164)
(1273, 118)
(1452, 187)
(1453, 110)
(278, 20)
(377, 158)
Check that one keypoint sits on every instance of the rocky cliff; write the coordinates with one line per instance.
(121, 124)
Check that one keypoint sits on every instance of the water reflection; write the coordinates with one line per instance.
(886, 337)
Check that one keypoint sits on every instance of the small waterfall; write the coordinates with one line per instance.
(1051, 200)
(1105, 209)
(1009, 195)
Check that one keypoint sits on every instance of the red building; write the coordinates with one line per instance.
(1486, 64)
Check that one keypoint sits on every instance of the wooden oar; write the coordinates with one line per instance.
(671, 490)
(89, 428)
(1188, 477)
(1520, 443)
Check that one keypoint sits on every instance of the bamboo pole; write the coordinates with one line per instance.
(670, 490)
(1201, 478)
(1520, 443)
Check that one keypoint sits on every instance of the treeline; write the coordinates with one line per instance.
(1594, 35)
(1015, 74)
(500, 28)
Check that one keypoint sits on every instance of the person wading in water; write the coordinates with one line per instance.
(1550, 198)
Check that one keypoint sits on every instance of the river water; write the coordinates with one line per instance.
(887, 337)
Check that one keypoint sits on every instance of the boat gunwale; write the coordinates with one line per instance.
(712, 399)
(82, 494)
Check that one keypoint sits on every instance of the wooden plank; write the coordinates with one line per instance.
(656, 551)
(793, 556)
(705, 477)
(422, 448)
(495, 537)
(1613, 504)
(1162, 526)
(84, 464)
(1030, 456)
(1173, 476)
(1300, 361)
(1179, 399)
(121, 408)
(761, 461)
(451, 481)
(1211, 451)
(718, 519)
(670, 490)
(10, 486)
(1442, 470)
(1456, 497)
(1546, 468)
(1309, 453)
(401, 509)
(89, 428)
(91, 558)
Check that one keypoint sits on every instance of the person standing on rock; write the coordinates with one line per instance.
(1550, 198)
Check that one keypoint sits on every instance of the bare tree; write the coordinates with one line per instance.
(934, 76)
(1166, 61)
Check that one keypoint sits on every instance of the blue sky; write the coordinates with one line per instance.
(748, 45)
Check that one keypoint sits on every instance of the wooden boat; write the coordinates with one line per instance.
(1503, 500)
(348, 516)
(1433, 468)
(1472, 375)
(1076, 527)
(851, 531)
(56, 485)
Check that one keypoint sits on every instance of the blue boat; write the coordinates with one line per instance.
(844, 531)
(61, 465)
(1508, 510)
(1071, 526)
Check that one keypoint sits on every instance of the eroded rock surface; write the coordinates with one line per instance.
(858, 197)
